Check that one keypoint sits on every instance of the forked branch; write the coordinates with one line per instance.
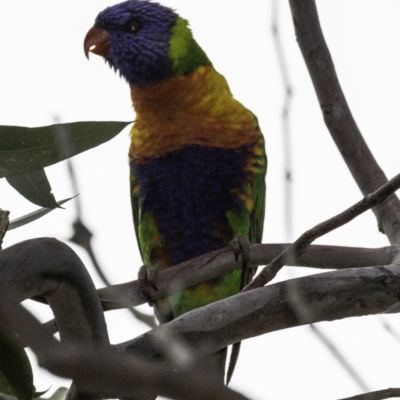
(369, 201)
(337, 115)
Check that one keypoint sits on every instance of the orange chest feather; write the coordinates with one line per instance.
(196, 109)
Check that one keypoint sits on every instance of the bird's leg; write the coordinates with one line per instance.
(146, 276)
(240, 245)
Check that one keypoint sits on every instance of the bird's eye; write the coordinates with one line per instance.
(134, 25)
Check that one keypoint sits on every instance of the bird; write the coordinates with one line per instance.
(197, 155)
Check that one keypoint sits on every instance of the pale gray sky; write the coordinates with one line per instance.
(45, 73)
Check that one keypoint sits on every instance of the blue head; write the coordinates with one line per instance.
(136, 37)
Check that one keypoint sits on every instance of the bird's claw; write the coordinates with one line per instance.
(146, 277)
(240, 245)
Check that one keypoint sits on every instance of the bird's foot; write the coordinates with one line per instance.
(240, 245)
(146, 276)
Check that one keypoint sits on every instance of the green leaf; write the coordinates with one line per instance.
(23, 149)
(33, 216)
(35, 187)
(15, 368)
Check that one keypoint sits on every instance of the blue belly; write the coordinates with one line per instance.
(189, 192)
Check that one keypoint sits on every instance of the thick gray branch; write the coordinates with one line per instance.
(48, 268)
(322, 297)
(338, 118)
(103, 372)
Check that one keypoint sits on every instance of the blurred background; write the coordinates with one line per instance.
(45, 76)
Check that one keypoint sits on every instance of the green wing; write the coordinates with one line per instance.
(135, 208)
(257, 216)
(258, 189)
(147, 235)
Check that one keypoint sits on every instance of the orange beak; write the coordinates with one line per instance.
(97, 41)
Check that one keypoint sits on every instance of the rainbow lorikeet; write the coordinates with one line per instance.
(197, 155)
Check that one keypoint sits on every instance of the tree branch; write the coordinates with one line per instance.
(286, 107)
(105, 373)
(340, 358)
(220, 262)
(337, 115)
(48, 268)
(82, 237)
(48, 257)
(4, 222)
(378, 395)
(322, 297)
(270, 271)
(55, 272)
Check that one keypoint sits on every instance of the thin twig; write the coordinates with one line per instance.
(221, 262)
(4, 222)
(338, 118)
(331, 347)
(339, 357)
(369, 201)
(389, 329)
(82, 236)
(287, 86)
(378, 395)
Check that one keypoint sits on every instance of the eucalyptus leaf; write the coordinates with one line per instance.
(33, 216)
(35, 187)
(15, 367)
(24, 150)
